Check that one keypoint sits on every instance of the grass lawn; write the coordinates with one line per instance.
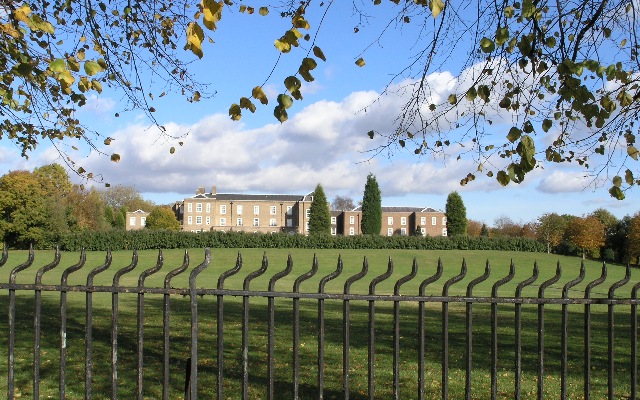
(224, 259)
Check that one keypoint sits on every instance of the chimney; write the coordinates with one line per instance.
(213, 190)
(200, 190)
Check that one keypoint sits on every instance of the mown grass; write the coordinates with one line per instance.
(223, 260)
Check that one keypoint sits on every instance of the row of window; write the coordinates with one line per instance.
(132, 221)
(239, 221)
(403, 220)
(239, 209)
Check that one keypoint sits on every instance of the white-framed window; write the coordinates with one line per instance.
(444, 231)
(333, 220)
(289, 210)
(272, 210)
(198, 220)
(352, 231)
(132, 221)
(223, 208)
(256, 210)
(444, 220)
(352, 219)
(239, 210)
(143, 221)
(239, 222)
(306, 226)
(307, 212)
(334, 231)
(198, 207)
(223, 221)
(389, 220)
(423, 231)
(434, 221)
(389, 231)
(256, 222)
(423, 221)
(272, 222)
(403, 220)
(208, 207)
(403, 231)
(189, 220)
(189, 207)
(208, 221)
(289, 222)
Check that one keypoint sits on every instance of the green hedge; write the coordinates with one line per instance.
(147, 239)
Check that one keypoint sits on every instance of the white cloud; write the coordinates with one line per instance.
(564, 182)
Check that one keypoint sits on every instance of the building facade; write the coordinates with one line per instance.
(401, 221)
(135, 220)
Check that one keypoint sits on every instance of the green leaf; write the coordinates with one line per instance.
(546, 125)
(264, 11)
(258, 94)
(487, 45)
(616, 193)
(234, 112)
(92, 68)
(514, 134)
(58, 65)
(503, 178)
(280, 113)
(453, 99)
(628, 177)
(172, 150)
(370, 134)
(318, 53)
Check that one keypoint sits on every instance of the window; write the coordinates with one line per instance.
(239, 222)
(272, 222)
(189, 220)
(403, 220)
(333, 220)
(434, 221)
(389, 220)
(352, 219)
(289, 210)
(444, 231)
(289, 222)
(239, 210)
(444, 220)
(403, 231)
(198, 220)
(389, 231)
(198, 207)
(132, 221)
(189, 207)
(223, 208)
(208, 221)
(223, 221)
(272, 210)
(307, 212)
(352, 231)
(143, 221)
(423, 221)
(256, 210)
(306, 227)
(423, 231)
(208, 207)
(334, 230)
(256, 222)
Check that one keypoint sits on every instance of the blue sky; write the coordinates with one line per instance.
(325, 140)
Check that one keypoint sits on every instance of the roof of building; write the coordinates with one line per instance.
(250, 197)
(403, 209)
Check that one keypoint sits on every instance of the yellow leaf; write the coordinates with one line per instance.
(258, 94)
(632, 152)
(264, 11)
(360, 62)
(234, 112)
(212, 13)
(195, 36)
(436, 7)
(22, 14)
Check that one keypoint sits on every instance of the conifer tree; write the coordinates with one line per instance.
(456, 215)
(371, 207)
(319, 214)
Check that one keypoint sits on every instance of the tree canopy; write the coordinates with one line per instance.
(371, 207)
(162, 218)
(456, 215)
(543, 83)
(319, 214)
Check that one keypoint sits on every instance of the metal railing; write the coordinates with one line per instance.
(420, 348)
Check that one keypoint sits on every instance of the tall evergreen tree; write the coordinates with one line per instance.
(371, 207)
(456, 215)
(319, 214)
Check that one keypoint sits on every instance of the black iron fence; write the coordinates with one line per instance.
(414, 345)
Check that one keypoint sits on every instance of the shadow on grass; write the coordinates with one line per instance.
(180, 345)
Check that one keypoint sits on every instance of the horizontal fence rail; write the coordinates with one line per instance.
(403, 332)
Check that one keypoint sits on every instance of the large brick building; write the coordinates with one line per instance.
(271, 213)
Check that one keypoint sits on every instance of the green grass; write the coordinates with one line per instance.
(223, 260)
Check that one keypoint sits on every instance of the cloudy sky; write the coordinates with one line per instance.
(325, 139)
